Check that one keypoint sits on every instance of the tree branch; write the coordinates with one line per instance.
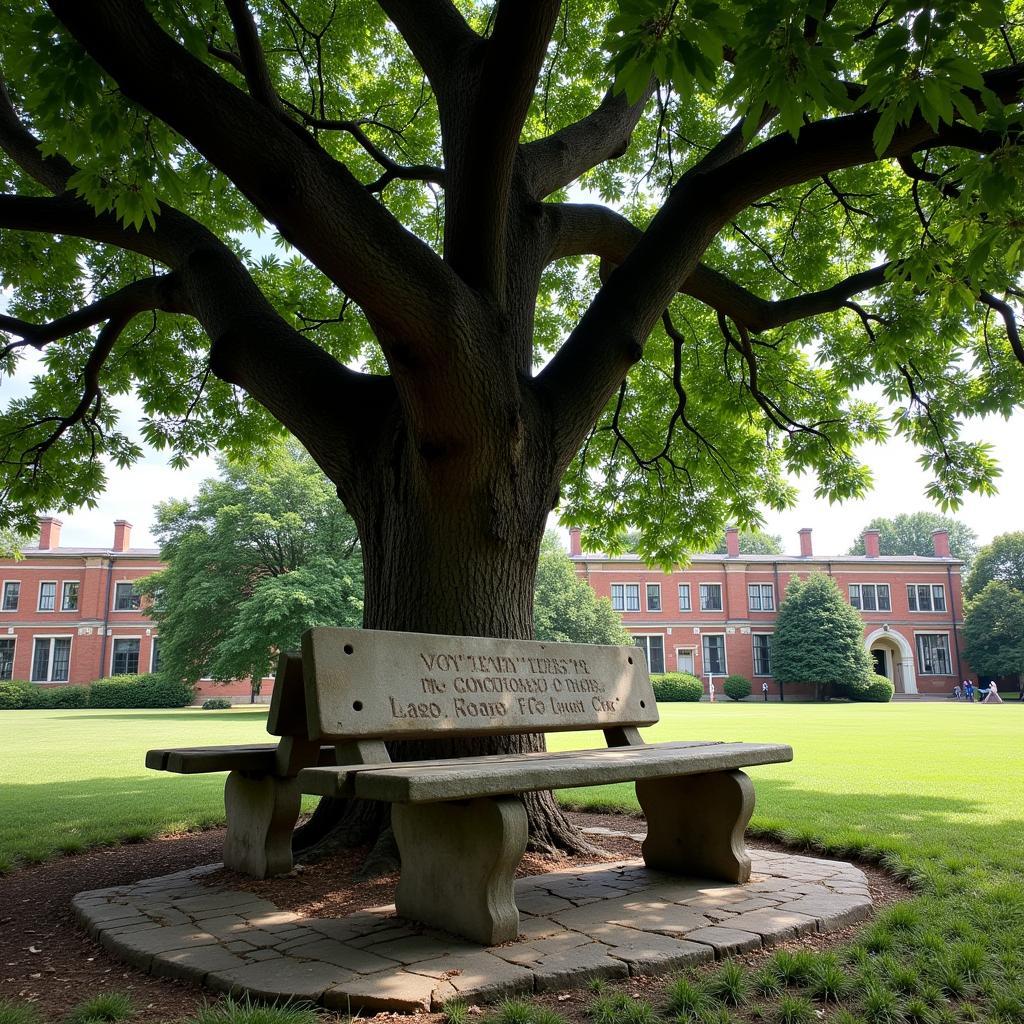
(1005, 310)
(252, 63)
(556, 161)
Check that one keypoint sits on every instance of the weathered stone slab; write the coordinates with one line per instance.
(195, 964)
(652, 954)
(832, 911)
(396, 989)
(774, 924)
(480, 977)
(420, 947)
(726, 941)
(574, 967)
(359, 961)
(281, 978)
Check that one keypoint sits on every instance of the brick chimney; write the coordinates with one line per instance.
(806, 551)
(940, 543)
(732, 542)
(122, 535)
(871, 543)
(49, 533)
(575, 548)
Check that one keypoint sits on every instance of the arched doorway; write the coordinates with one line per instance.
(893, 658)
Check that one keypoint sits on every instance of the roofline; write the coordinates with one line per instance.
(769, 560)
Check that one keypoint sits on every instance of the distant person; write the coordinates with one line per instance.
(957, 692)
(992, 697)
(764, 690)
(969, 691)
(711, 689)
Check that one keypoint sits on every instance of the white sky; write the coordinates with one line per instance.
(899, 487)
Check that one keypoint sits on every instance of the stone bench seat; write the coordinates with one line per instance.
(257, 758)
(474, 778)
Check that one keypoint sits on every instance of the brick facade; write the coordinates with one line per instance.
(709, 617)
(68, 615)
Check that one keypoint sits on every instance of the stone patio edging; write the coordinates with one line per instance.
(610, 920)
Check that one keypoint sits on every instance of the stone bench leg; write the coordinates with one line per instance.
(458, 865)
(695, 824)
(262, 811)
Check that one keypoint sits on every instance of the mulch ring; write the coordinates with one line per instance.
(47, 959)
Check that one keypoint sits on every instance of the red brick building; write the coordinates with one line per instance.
(72, 615)
(717, 616)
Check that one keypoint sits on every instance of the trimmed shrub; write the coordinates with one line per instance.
(737, 687)
(65, 697)
(142, 691)
(18, 695)
(216, 704)
(878, 691)
(677, 686)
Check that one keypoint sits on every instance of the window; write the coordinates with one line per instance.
(7, 658)
(761, 597)
(125, 597)
(711, 597)
(11, 594)
(684, 597)
(51, 659)
(762, 654)
(714, 655)
(933, 654)
(870, 597)
(126, 658)
(47, 596)
(155, 661)
(654, 651)
(69, 597)
(654, 597)
(632, 597)
(618, 600)
(924, 598)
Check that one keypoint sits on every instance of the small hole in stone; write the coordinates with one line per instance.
(630, 660)
(357, 705)
(348, 648)
(643, 704)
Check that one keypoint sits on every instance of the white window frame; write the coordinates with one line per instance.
(918, 634)
(721, 596)
(753, 653)
(875, 588)
(611, 596)
(14, 652)
(113, 643)
(64, 584)
(931, 609)
(693, 657)
(704, 658)
(689, 599)
(647, 649)
(154, 644)
(625, 597)
(647, 597)
(125, 583)
(39, 597)
(761, 587)
(3, 592)
(49, 662)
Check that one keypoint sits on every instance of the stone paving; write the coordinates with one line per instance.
(609, 920)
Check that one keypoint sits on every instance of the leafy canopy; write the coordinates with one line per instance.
(565, 608)
(259, 556)
(994, 630)
(847, 290)
(1002, 561)
(911, 534)
(819, 639)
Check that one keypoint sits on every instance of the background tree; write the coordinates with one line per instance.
(1002, 560)
(994, 631)
(565, 608)
(782, 202)
(755, 542)
(911, 534)
(819, 639)
(260, 555)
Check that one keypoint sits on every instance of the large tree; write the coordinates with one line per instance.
(511, 274)
(994, 631)
(261, 554)
(819, 639)
(910, 533)
(1002, 560)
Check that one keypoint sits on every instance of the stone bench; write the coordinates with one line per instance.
(460, 825)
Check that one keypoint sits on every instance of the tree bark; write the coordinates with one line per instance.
(450, 543)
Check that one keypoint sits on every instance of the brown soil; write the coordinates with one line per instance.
(47, 959)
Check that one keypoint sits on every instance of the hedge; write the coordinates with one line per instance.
(878, 691)
(737, 687)
(216, 704)
(677, 686)
(142, 691)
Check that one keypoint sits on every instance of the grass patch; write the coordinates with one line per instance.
(246, 1011)
(110, 1006)
(18, 1013)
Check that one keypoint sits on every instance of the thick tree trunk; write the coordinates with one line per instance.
(450, 546)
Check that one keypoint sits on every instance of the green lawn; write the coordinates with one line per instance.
(934, 790)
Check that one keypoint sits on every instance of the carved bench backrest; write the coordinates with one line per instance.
(362, 684)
